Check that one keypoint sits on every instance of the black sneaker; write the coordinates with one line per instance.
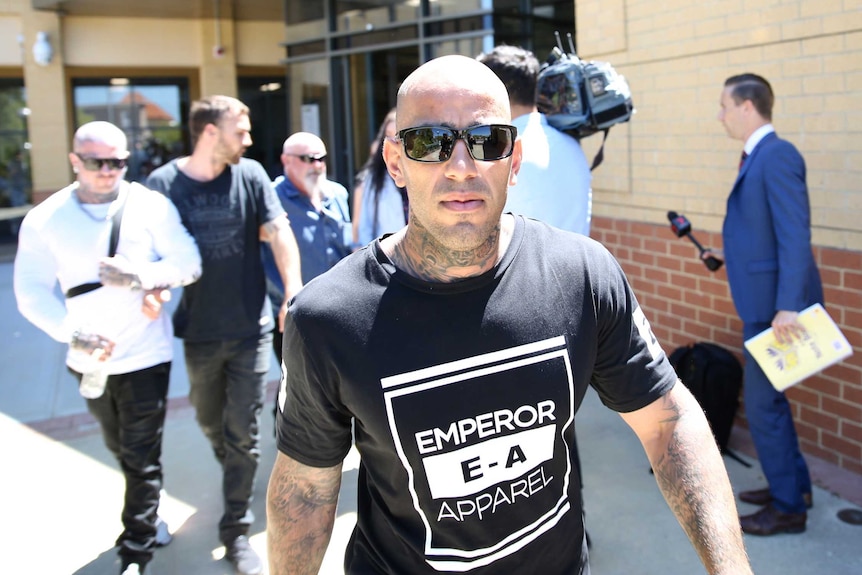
(243, 557)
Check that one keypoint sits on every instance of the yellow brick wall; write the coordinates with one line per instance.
(674, 154)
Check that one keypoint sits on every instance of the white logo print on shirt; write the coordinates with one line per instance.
(484, 447)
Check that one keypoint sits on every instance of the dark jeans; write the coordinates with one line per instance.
(227, 384)
(131, 413)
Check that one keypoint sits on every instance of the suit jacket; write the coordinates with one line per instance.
(767, 234)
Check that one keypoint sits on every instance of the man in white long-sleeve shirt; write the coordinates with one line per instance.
(110, 314)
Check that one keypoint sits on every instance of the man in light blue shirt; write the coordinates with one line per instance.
(318, 212)
(554, 181)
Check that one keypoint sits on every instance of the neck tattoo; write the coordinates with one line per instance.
(83, 196)
(87, 197)
(424, 258)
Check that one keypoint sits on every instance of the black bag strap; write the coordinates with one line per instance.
(600, 155)
(116, 221)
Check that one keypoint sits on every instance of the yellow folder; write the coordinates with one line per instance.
(820, 346)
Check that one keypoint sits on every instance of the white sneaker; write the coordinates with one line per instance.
(132, 569)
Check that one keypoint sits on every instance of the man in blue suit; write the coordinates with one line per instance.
(772, 276)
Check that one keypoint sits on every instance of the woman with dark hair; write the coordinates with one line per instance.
(379, 206)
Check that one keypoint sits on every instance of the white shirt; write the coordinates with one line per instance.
(554, 182)
(756, 136)
(61, 242)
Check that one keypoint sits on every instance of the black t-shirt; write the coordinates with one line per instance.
(464, 397)
(224, 215)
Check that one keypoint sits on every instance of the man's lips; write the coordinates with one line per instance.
(465, 205)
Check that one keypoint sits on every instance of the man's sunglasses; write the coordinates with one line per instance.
(435, 143)
(96, 164)
(308, 159)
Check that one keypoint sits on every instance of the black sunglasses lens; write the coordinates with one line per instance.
(487, 143)
(428, 144)
(311, 159)
(95, 164)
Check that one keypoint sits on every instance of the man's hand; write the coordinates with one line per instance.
(282, 313)
(117, 271)
(712, 252)
(786, 326)
(153, 300)
(98, 347)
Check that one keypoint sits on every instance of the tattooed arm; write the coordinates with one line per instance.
(286, 253)
(300, 513)
(691, 475)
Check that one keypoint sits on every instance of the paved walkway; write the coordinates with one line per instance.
(61, 492)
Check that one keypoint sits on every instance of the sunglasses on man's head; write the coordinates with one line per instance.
(435, 143)
(308, 159)
(96, 164)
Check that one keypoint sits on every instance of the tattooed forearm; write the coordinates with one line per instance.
(301, 504)
(691, 475)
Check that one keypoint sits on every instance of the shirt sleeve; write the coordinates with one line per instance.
(179, 260)
(787, 196)
(311, 428)
(35, 284)
(266, 197)
(631, 368)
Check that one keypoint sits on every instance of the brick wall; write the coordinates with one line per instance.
(685, 302)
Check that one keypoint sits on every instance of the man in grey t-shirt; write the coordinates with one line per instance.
(227, 204)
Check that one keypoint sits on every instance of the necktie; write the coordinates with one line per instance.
(742, 159)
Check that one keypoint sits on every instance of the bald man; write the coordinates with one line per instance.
(119, 348)
(318, 212)
(455, 352)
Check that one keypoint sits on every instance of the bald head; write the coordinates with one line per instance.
(303, 143)
(458, 81)
(304, 159)
(104, 133)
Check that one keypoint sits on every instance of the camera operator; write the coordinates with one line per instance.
(554, 182)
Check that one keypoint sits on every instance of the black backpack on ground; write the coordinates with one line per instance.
(714, 377)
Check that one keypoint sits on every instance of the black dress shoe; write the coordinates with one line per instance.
(764, 496)
(771, 521)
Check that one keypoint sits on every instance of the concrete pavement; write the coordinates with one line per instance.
(61, 492)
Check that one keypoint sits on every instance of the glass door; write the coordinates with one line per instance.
(370, 82)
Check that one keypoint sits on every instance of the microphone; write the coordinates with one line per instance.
(680, 226)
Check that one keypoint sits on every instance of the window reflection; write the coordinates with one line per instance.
(309, 94)
(151, 114)
(365, 16)
(15, 182)
(449, 7)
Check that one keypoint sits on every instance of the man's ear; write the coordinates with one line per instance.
(516, 163)
(392, 156)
